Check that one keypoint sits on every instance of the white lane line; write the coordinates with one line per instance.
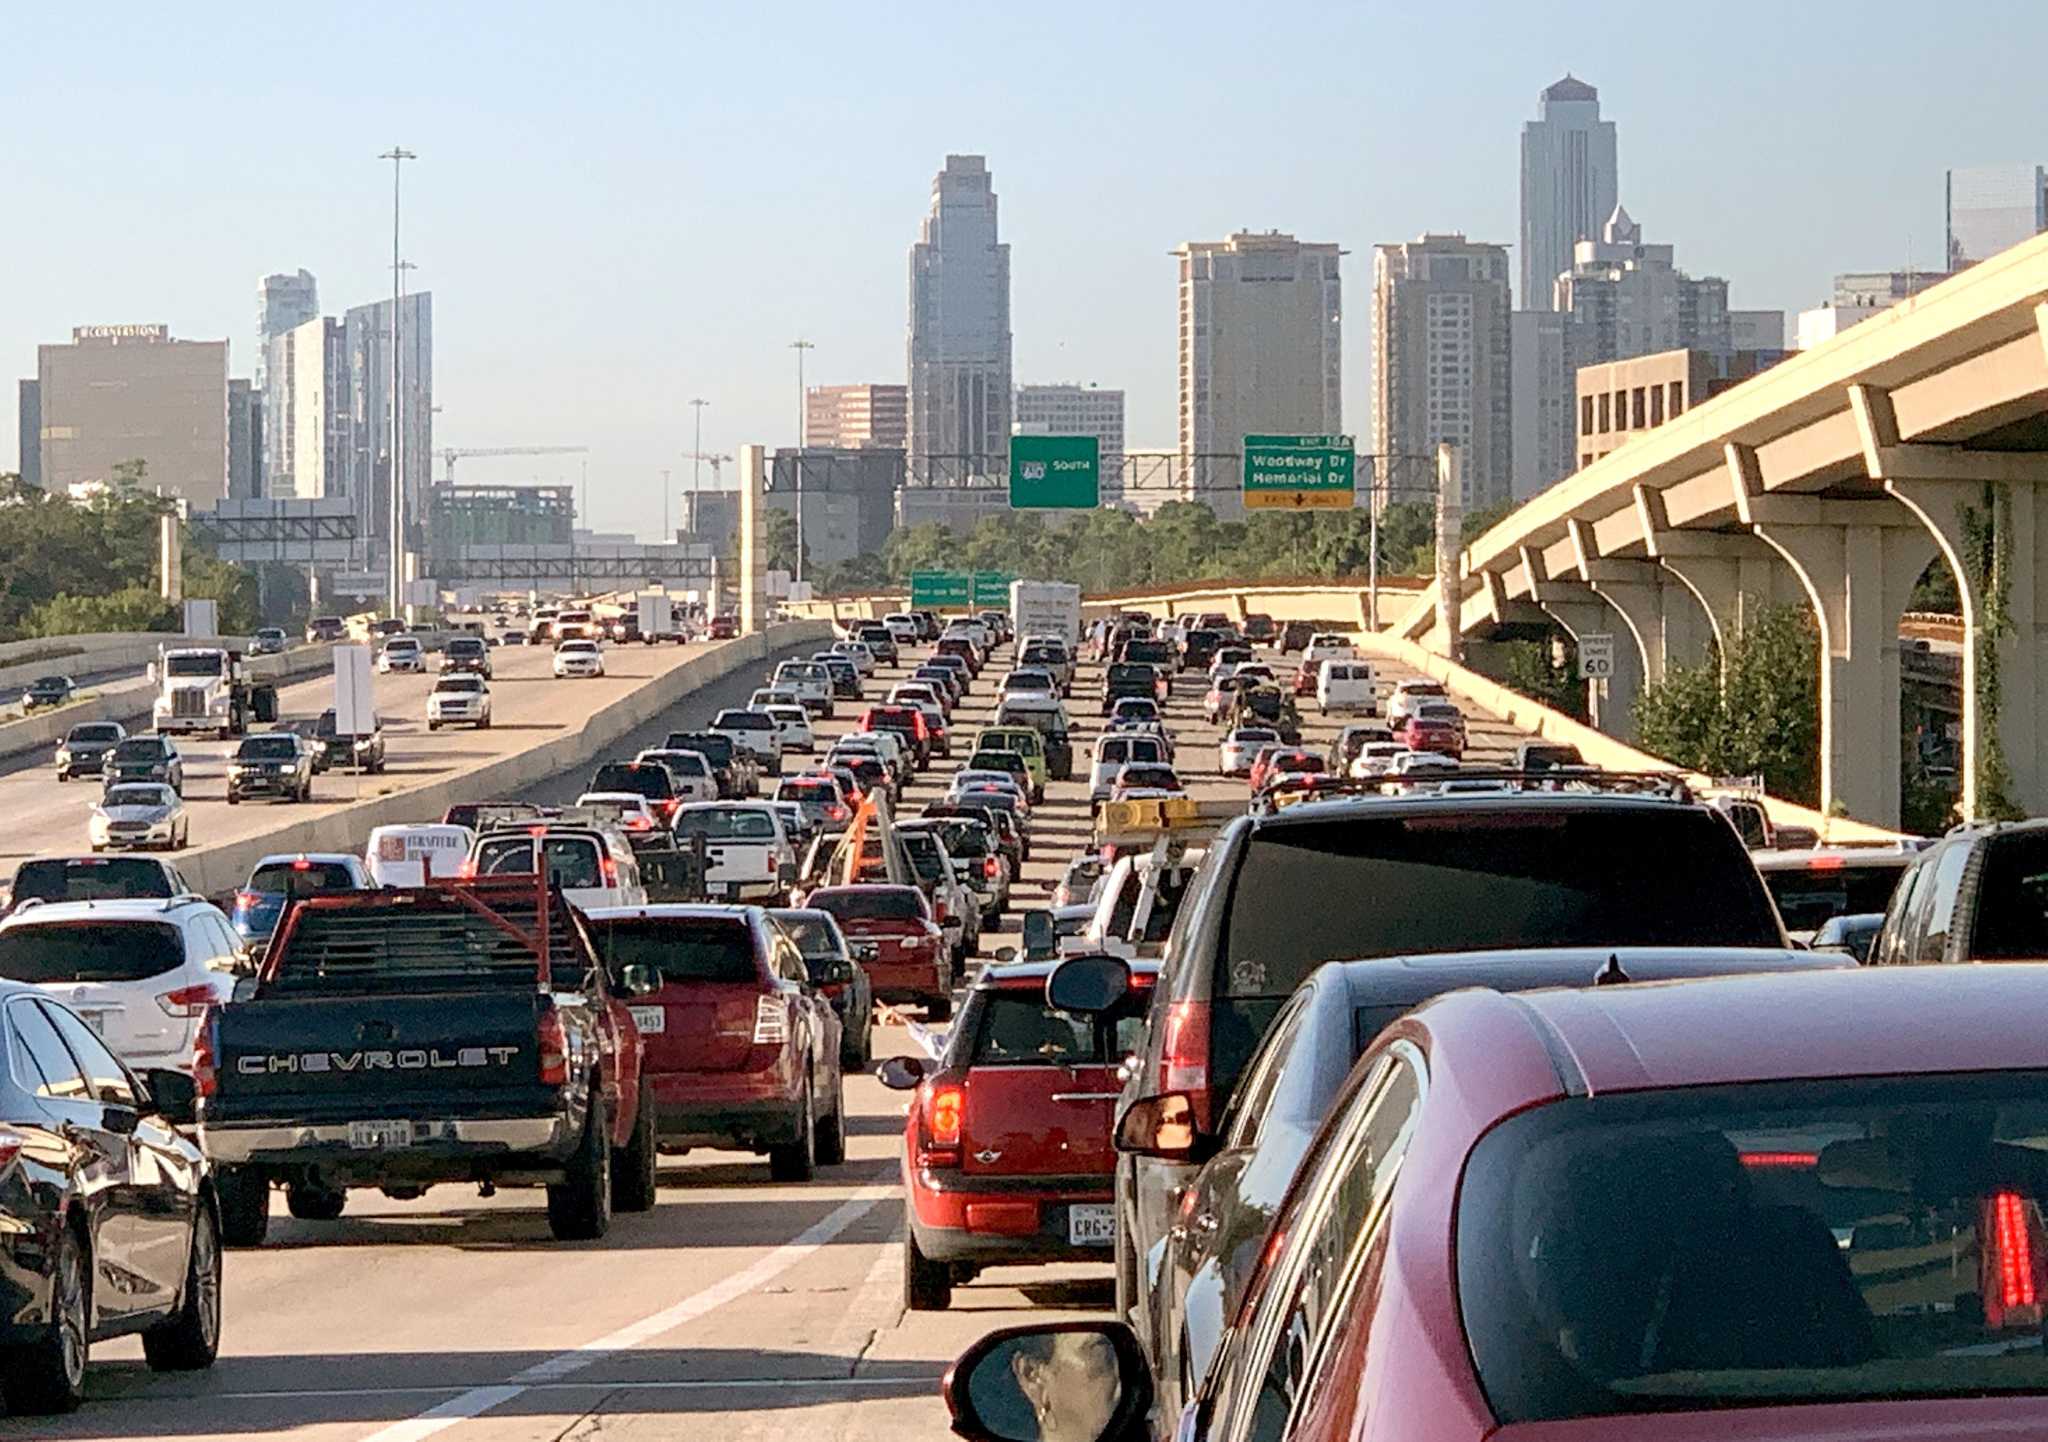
(478, 1400)
(697, 1384)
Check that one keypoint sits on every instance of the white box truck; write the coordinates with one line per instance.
(658, 618)
(1046, 608)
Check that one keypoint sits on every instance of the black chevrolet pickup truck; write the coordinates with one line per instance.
(461, 1032)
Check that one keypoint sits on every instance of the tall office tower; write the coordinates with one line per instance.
(1993, 208)
(306, 453)
(1261, 352)
(1442, 360)
(283, 303)
(1570, 183)
(122, 393)
(959, 414)
(367, 338)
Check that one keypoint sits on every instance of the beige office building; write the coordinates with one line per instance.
(131, 393)
(858, 417)
(1442, 362)
(1621, 399)
(1261, 352)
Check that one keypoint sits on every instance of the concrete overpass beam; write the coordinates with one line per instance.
(1584, 612)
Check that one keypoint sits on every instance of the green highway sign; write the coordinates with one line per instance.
(1289, 473)
(930, 590)
(992, 589)
(1055, 473)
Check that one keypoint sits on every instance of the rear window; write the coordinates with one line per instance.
(1150, 776)
(94, 734)
(90, 951)
(1808, 897)
(139, 748)
(814, 935)
(726, 825)
(2012, 902)
(288, 878)
(744, 721)
(90, 880)
(269, 748)
(714, 748)
(1122, 675)
(966, 839)
(873, 903)
(1483, 879)
(650, 780)
(137, 796)
(1017, 1028)
(683, 949)
(572, 861)
(465, 646)
(1802, 1242)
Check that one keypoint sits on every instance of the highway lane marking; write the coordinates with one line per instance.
(478, 1400)
(695, 1384)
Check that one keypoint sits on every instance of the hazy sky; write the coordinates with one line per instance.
(621, 206)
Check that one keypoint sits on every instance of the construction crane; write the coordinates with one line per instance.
(717, 476)
(451, 455)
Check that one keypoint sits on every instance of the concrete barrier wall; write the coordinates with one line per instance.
(113, 652)
(217, 868)
(128, 702)
(1598, 748)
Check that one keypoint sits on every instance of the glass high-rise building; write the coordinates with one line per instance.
(959, 414)
(1570, 184)
(367, 340)
(1993, 208)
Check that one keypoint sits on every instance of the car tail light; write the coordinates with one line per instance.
(989, 868)
(2009, 1278)
(186, 1001)
(639, 822)
(771, 1022)
(10, 1146)
(610, 870)
(836, 812)
(1184, 1056)
(940, 909)
(553, 1044)
(205, 1078)
(248, 898)
(945, 1115)
(466, 871)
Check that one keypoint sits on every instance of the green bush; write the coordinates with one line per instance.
(1759, 715)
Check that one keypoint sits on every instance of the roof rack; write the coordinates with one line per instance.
(1667, 785)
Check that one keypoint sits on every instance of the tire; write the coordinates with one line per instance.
(797, 1161)
(939, 1009)
(48, 1374)
(857, 1050)
(580, 1206)
(633, 1165)
(234, 800)
(315, 1204)
(189, 1339)
(927, 1285)
(244, 1206)
(830, 1145)
(433, 725)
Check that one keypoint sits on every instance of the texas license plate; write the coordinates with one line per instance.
(650, 1019)
(1091, 1226)
(377, 1136)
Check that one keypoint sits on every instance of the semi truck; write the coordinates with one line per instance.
(1046, 608)
(208, 688)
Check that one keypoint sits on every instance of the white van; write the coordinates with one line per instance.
(592, 863)
(1347, 687)
(409, 855)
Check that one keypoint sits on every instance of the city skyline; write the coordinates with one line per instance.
(1097, 187)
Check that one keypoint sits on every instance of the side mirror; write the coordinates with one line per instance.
(1159, 1126)
(640, 980)
(1052, 1382)
(1086, 985)
(172, 1095)
(1005, 954)
(151, 673)
(901, 1073)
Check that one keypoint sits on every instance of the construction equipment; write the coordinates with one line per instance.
(717, 476)
(450, 455)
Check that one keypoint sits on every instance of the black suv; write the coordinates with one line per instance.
(145, 758)
(466, 655)
(47, 691)
(1974, 895)
(365, 753)
(277, 764)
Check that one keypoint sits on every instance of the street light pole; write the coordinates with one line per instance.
(697, 450)
(800, 345)
(397, 155)
(667, 537)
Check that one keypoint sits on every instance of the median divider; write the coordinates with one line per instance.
(214, 869)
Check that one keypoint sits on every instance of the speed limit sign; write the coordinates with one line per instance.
(1596, 657)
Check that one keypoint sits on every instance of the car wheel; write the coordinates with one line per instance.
(831, 1141)
(927, 1285)
(311, 1203)
(633, 1176)
(234, 800)
(244, 1196)
(189, 1339)
(580, 1205)
(797, 1161)
(48, 1374)
(433, 725)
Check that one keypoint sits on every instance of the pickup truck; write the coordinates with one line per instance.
(403, 1038)
(747, 853)
(1131, 678)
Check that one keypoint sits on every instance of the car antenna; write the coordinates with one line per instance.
(1612, 974)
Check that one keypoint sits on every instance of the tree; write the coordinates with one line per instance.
(1535, 669)
(1757, 715)
(133, 608)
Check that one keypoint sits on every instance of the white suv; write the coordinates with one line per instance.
(141, 974)
(459, 700)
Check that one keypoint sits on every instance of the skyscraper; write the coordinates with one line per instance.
(1261, 351)
(121, 393)
(306, 454)
(959, 414)
(283, 303)
(1993, 208)
(367, 338)
(1441, 358)
(1570, 183)
(857, 416)
(1628, 299)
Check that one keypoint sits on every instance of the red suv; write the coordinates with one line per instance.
(1007, 1154)
(740, 1046)
(907, 722)
(891, 933)
(963, 648)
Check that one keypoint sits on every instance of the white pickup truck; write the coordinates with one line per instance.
(748, 855)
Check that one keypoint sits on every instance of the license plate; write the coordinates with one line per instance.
(376, 1136)
(1091, 1226)
(650, 1019)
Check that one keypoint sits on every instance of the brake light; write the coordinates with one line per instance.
(836, 812)
(205, 1079)
(186, 1001)
(467, 871)
(639, 822)
(302, 864)
(553, 1043)
(610, 870)
(10, 1146)
(771, 1022)
(939, 909)
(1827, 863)
(248, 898)
(1184, 1056)
(2007, 1275)
(988, 867)
(1769, 1161)
(945, 1114)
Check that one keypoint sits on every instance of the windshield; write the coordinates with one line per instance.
(90, 879)
(90, 951)
(1791, 1242)
(725, 824)
(468, 684)
(572, 861)
(204, 663)
(136, 796)
(93, 735)
(269, 748)
(1809, 896)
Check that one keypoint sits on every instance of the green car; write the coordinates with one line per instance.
(1027, 743)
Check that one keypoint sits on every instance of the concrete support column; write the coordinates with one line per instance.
(1581, 611)
(2022, 731)
(1635, 591)
(753, 540)
(1731, 579)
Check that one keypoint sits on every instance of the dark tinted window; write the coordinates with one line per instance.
(465, 646)
(961, 838)
(744, 721)
(1018, 1028)
(1477, 880)
(650, 780)
(1785, 1242)
(139, 748)
(290, 878)
(94, 879)
(1809, 896)
(2012, 898)
(684, 949)
(1122, 674)
(90, 951)
(873, 903)
(150, 795)
(712, 747)
(44, 1064)
(269, 748)
(725, 824)
(814, 932)
(94, 734)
